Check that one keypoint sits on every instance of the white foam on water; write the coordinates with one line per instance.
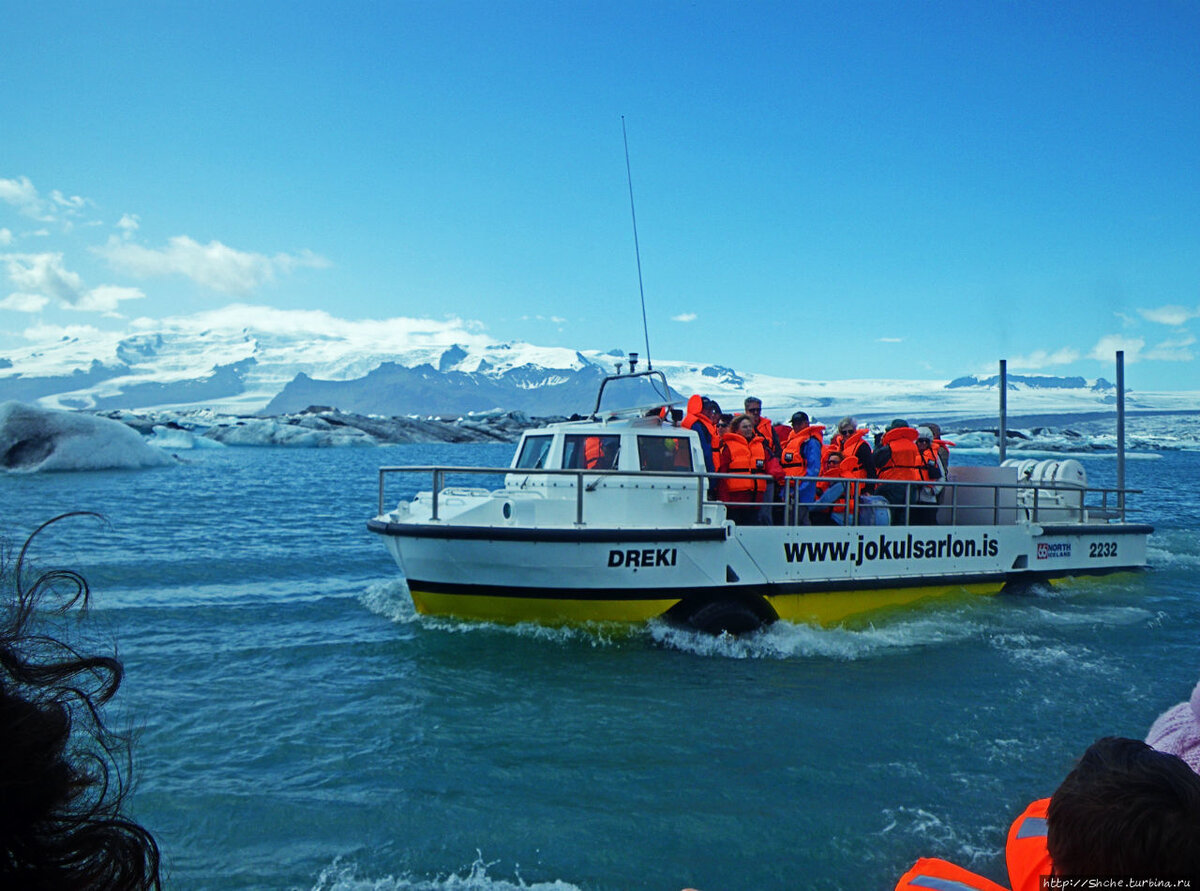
(1173, 548)
(937, 834)
(791, 640)
(341, 876)
(391, 600)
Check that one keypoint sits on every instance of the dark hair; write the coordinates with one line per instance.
(1126, 810)
(64, 775)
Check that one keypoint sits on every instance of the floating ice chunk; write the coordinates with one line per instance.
(34, 439)
(268, 432)
(165, 437)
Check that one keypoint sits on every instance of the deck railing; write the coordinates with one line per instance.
(791, 510)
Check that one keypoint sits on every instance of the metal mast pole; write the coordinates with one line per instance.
(1002, 436)
(1121, 432)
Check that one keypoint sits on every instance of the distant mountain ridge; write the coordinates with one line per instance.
(254, 370)
(1035, 381)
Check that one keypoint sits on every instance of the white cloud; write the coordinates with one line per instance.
(41, 278)
(1043, 359)
(128, 224)
(321, 326)
(49, 333)
(1170, 315)
(1108, 345)
(213, 265)
(43, 274)
(684, 317)
(19, 302)
(6, 237)
(889, 340)
(106, 298)
(1173, 349)
(74, 204)
(22, 194)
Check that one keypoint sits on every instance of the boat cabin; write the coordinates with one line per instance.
(638, 445)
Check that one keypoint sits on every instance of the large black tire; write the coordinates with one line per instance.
(721, 616)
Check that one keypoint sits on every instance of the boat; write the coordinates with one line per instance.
(610, 518)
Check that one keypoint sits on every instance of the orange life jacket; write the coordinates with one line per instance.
(593, 452)
(848, 470)
(930, 872)
(792, 458)
(765, 431)
(850, 446)
(1026, 852)
(696, 416)
(740, 456)
(905, 461)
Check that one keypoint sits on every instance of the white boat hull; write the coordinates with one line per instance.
(802, 573)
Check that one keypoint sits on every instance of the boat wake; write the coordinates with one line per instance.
(789, 640)
(342, 876)
(391, 600)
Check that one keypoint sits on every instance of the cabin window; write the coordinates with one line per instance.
(590, 452)
(664, 453)
(533, 452)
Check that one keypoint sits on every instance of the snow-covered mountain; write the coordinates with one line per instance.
(284, 363)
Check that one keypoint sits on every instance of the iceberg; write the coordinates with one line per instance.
(309, 433)
(38, 439)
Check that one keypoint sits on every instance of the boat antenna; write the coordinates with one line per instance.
(636, 250)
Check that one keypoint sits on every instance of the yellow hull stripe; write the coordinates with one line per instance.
(820, 608)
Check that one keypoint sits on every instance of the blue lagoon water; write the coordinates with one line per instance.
(300, 727)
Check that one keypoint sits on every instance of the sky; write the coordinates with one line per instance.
(823, 190)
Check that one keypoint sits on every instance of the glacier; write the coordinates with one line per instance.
(283, 363)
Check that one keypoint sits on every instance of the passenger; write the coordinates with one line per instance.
(835, 495)
(63, 772)
(942, 446)
(1177, 731)
(801, 457)
(765, 430)
(742, 452)
(762, 426)
(929, 496)
(831, 496)
(1126, 811)
(899, 462)
(852, 441)
(699, 417)
(596, 454)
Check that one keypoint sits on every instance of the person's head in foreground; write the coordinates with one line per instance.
(1126, 810)
(64, 775)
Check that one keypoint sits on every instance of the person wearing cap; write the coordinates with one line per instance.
(899, 463)
(800, 456)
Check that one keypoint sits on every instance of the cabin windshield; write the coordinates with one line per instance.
(664, 453)
(533, 452)
(590, 452)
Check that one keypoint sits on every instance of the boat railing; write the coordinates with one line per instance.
(1046, 498)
